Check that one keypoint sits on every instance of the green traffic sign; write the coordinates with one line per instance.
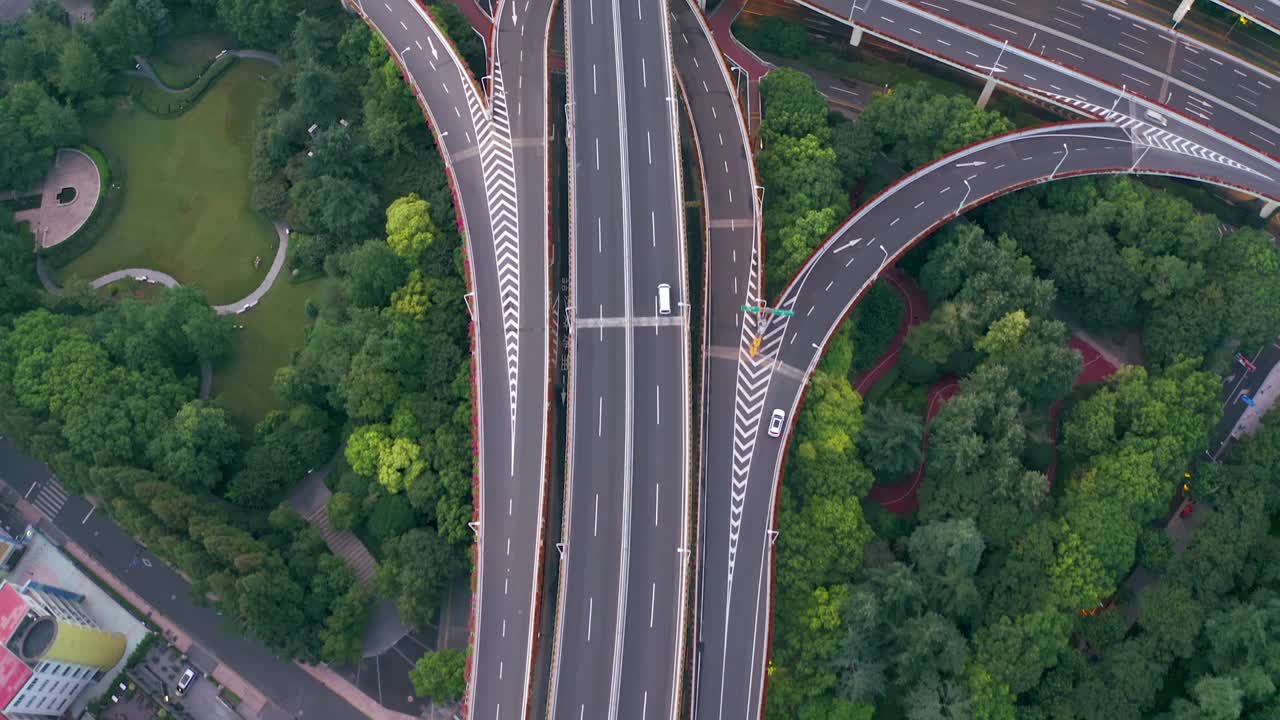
(786, 313)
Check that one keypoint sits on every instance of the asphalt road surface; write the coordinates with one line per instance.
(1198, 93)
(622, 589)
(284, 683)
(1263, 12)
(732, 280)
(495, 148)
(730, 675)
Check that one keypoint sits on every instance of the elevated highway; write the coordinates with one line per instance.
(621, 615)
(730, 678)
(493, 137)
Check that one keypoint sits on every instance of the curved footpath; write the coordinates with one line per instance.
(155, 276)
(144, 68)
(162, 278)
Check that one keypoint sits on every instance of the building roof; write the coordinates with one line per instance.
(86, 646)
(14, 673)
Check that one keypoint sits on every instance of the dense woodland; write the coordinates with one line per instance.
(1002, 595)
(106, 392)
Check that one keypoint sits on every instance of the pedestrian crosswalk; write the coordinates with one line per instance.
(50, 497)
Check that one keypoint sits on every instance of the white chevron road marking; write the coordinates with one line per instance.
(497, 162)
(1142, 133)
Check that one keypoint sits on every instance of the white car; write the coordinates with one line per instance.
(184, 682)
(776, 421)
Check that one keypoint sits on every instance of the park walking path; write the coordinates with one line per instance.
(144, 69)
(740, 56)
(162, 278)
(903, 498)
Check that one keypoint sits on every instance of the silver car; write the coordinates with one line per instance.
(776, 421)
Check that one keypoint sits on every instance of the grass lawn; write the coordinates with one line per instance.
(186, 211)
(272, 332)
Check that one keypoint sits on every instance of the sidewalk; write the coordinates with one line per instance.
(721, 23)
(252, 700)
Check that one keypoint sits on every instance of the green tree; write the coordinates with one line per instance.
(415, 571)
(121, 32)
(197, 448)
(373, 271)
(891, 444)
(410, 230)
(80, 73)
(343, 511)
(794, 107)
(439, 675)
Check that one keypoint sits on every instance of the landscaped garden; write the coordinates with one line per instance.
(187, 210)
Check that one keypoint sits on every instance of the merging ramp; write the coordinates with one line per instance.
(493, 139)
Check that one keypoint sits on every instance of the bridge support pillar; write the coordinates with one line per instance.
(856, 39)
(987, 89)
(1268, 208)
(1181, 12)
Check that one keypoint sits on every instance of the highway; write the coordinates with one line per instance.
(1263, 12)
(620, 620)
(1199, 93)
(730, 680)
(495, 150)
(732, 228)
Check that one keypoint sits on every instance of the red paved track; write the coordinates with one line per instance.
(721, 22)
(476, 15)
(903, 498)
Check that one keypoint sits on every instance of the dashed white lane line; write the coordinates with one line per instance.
(653, 601)
(595, 523)
(600, 417)
(1064, 50)
(445, 85)
(388, 7)
(943, 42)
(972, 53)
(648, 143)
(1067, 23)
(1003, 29)
(919, 204)
(591, 609)
(1131, 36)
(915, 31)
(415, 42)
(1132, 49)
(888, 20)
(1265, 140)
(406, 27)
(656, 494)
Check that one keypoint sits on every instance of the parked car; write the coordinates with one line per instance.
(184, 682)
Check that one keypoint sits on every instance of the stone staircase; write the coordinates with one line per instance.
(309, 499)
(345, 545)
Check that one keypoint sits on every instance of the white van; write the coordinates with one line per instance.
(664, 299)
